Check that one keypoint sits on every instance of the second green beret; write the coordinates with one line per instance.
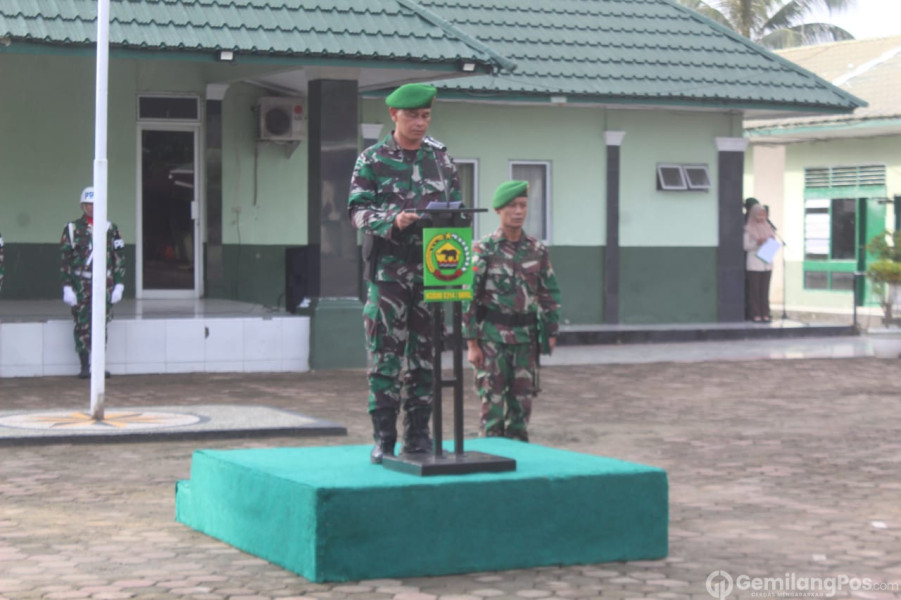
(412, 95)
(507, 191)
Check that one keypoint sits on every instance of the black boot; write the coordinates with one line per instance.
(85, 372)
(384, 432)
(416, 430)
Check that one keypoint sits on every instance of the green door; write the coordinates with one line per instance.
(871, 223)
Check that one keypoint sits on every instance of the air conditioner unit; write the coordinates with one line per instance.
(282, 119)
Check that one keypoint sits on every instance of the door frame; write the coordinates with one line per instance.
(197, 210)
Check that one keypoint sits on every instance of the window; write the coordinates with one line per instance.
(169, 108)
(844, 226)
(538, 174)
(816, 229)
(830, 243)
(682, 177)
(816, 280)
(843, 208)
(830, 229)
(468, 174)
(671, 177)
(697, 176)
(833, 177)
(842, 281)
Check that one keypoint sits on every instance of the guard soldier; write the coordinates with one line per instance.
(392, 179)
(513, 316)
(77, 254)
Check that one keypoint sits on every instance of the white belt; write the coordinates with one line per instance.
(88, 274)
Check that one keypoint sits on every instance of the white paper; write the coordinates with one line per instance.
(768, 250)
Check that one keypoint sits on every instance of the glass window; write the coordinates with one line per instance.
(843, 281)
(844, 227)
(816, 280)
(467, 173)
(683, 177)
(830, 229)
(816, 229)
(171, 108)
(670, 177)
(697, 176)
(538, 174)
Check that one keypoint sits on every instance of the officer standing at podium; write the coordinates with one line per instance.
(392, 179)
(513, 316)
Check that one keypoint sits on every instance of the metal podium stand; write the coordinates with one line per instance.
(439, 462)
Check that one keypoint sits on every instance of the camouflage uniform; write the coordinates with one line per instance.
(388, 179)
(514, 287)
(76, 254)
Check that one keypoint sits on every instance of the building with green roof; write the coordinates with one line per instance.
(233, 128)
(833, 181)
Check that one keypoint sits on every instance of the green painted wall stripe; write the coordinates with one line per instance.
(32, 271)
(659, 285)
(830, 265)
(580, 273)
(668, 285)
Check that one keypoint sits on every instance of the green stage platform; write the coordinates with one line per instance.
(327, 514)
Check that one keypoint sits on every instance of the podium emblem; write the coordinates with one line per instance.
(448, 263)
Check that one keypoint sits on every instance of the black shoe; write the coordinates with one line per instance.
(416, 430)
(384, 432)
(522, 435)
(85, 372)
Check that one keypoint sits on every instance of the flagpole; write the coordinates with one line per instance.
(98, 279)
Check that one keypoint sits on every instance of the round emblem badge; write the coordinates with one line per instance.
(448, 256)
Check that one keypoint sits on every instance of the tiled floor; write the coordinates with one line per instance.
(778, 470)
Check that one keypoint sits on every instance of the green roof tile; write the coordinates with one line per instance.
(622, 51)
(607, 51)
(380, 30)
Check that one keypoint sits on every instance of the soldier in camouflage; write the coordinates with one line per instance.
(76, 254)
(392, 179)
(513, 316)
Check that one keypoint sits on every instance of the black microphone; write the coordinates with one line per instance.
(433, 143)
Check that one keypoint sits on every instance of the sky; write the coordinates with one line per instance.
(870, 18)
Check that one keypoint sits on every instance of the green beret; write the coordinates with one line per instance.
(507, 191)
(412, 95)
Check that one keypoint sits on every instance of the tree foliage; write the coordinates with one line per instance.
(775, 24)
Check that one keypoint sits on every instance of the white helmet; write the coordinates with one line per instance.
(87, 196)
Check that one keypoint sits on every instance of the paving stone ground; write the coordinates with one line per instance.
(788, 470)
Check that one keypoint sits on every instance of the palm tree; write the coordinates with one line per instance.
(774, 23)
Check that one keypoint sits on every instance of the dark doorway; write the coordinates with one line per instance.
(168, 210)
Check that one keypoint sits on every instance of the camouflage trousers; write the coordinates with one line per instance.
(399, 339)
(81, 312)
(506, 387)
